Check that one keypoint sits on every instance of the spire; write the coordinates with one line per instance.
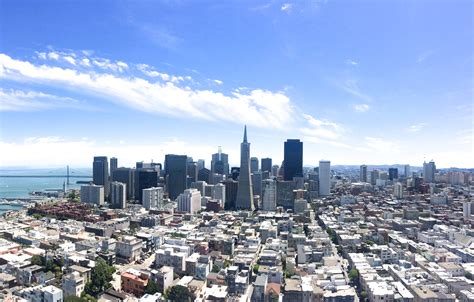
(245, 133)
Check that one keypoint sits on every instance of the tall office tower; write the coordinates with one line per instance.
(176, 174)
(245, 192)
(284, 191)
(144, 178)
(152, 198)
(218, 192)
(100, 173)
(216, 178)
(92, 194)
(468, 209)
(429, 170)
(407, 171)
(253, 164)
(257, 178)
(234, 173)
(374, 175)
(189, 201)
(231, 188)
(398, 190)
(266, 164)
(220, 162)
(324, 177)
(269, 195)
(118, 195)
(199, 185)
(392, 173)
(201, 163)
(275, 170)
(192, 173)
(113, 164)
(363, 173)
(124, 175)
(293, 159)
(204, 175)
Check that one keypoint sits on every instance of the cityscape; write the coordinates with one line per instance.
(242, 151)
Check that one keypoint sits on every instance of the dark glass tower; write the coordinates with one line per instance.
(245, 193)
(176, 174)
(100, 173)
(266, 165)
(293, 159)
(145, 178)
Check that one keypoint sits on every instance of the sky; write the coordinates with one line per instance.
(359, 82)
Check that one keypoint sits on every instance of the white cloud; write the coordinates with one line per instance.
(53, 55)
(70, 60)
(218, 82)
(361, 107)
(416, 127)
(351, 86)
(18, 100)
(352, 62)
(257, 107)
(381, 145)
(287, 7)
(322, 131)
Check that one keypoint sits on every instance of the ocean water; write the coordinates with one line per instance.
(6, 207)
(18, 186)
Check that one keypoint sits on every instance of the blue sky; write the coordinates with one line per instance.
(374, 82)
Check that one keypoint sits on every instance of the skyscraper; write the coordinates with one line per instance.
(220, 162)
(253, 164)
(429, 170)
(392, 173)
(245, 193)
(145, 178)
(266, 165)
(176, 174)
(152, 198)
(269, 195)
(118, 195)
(257, 178)
(407, 171)
(201, 163)
(293, 159)
(100, 173)
(363, 173)
(189, 201)
(125, 175)
(113, 164)
(324, 177)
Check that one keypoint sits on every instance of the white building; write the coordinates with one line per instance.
(300, 206)
(92, 194)
(129, 248)
(324, 177)
(118, 195)
(467, 209)
(429, 170)
(189, 201)
(168, 257)
(269, 195)
(73, 284)
(218, 192)
(152, 198)
(398, 190)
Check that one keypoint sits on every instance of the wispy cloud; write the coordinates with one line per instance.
(259, 107)
(161, 36)
(352, 62)
(286, 7)
(361, 108)
(425, 55)
(18, 100)
(381, 145)
(416, 127)
(351, 86)
(323, 131)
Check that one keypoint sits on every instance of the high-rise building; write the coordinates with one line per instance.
(269, 195)
(266, 165)
(374, 175)
(189, 201)
(293, 159)
(392, 173)
(398, 190)
(257, 178)
(100, 173)
(231, 188)
(468, 209)
(126, 176)
(93, 194)
(176, 174)
(218, 192)
(275, 170)
(113, 164)
(118, 195)
(245, 192)
(192, 173)
(363, 173)
(284, 192)
(144, 178)
(201, 163)
(220, 162)
(152, 198)
(253, 164)
(407, 171)
(324, 178)
(429, 170)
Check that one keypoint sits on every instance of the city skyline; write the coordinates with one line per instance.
(352, 92)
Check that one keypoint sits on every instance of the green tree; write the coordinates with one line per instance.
(101, 275)
(215, 268)
(151, 287)
(85, 298)
(354, 275)
(179, 293)
(37, 260)
(255, 269)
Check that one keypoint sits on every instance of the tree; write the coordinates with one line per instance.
(179, 293)
(151, 287)
(37, 260)
(353, 274)
(215, 268)
(84, 298)
(101, 275)
(256, 268)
